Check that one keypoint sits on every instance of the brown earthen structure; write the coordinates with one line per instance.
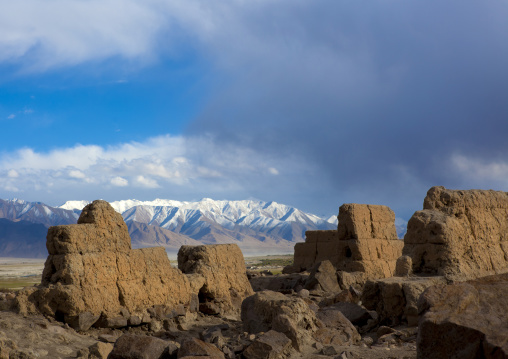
(365, 242)
(93, 277)
(459, 234)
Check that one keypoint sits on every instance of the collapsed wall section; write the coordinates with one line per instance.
(219, 275)
(365, 241)
(92, 269)
(459, 234)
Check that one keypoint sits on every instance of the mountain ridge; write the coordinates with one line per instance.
(257, 227)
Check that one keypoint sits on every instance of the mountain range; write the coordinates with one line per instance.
(257, 227)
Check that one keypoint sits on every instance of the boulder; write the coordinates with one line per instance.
(291, 316)
(465, 320)
(404, 266)
(92, 271)
(197, 348)
(224, 281)
(459, 234)
(355, 313)
(323, 277)
(130, 346)
(271, 345)
(100, 350)
(396, 299)
(339, 330)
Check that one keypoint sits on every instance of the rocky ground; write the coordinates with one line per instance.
(199, 334)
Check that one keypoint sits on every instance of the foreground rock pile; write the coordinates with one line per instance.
(357, 292)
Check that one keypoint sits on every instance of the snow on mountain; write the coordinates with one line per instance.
(196, 219)
(35, 212)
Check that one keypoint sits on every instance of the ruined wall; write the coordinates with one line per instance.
(218, 275)
(365, 241)
(459, 234)
(92, 269)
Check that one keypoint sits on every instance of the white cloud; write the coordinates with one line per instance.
(119, 182)
(273, 171)
(164, 163)
(12, 174)
(147, 182)
(67, 32)
(481, 170)
(76, 174)
(11, 116)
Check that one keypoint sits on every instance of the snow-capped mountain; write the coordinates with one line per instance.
(196, 219)
(256, 226)
(35, 212)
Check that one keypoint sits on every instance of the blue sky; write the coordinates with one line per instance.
(308, 103)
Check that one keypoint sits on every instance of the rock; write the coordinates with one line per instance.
(323, 277)
(113, 323)
(134, 320)
(130, 346)
(329, 350)
(396, 299)
(82, 322)
(383, 330)
(279, 283)
(303, 293)
(404, 266)
(355, 313)
(198, 348)
(100, 350)
(459, 234)
(291, 316)
(365, 242)
(214, 335)
(339, 330)
(465, 320)
(222, 267)
(271, 345)
(92, 269)
(108, 338)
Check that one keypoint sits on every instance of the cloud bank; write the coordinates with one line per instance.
(340, 101)
(171, 167)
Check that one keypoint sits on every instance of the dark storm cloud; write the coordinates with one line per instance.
(381, 96)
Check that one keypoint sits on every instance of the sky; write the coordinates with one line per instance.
(308, 103)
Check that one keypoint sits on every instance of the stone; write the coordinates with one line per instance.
(113, 323)
(383, 330)
(271, 345)
(91, 270)
(99, 350)
(279, 283)
(291, 316)
(396, 299)
(465, 320)
(130, 346)
(134, 320)
(329, 350)
(355, 313)
(339, 330)
(222, 268)
(108, 338)
(459, 234)
(83, 321)
(198, 348)
(404, 266)
(323, 277)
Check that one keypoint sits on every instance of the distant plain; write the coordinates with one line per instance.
(16, 273)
